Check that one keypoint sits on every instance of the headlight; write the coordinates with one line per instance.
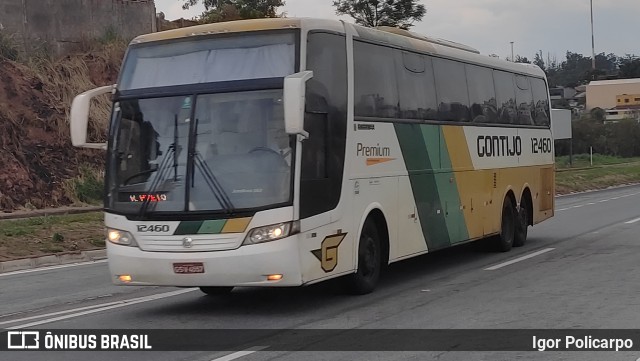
(122, 238)
(271, 233)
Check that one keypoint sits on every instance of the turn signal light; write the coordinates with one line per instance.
(274, 277)
(124, 278)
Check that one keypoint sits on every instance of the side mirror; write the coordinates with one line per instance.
(79, 117)
(294, 101)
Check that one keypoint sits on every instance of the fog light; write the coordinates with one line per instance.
(124, 278)
(274, 277)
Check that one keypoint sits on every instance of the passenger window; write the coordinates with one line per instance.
(482, 94)
(541, 101)
(451, 90)
(416, 87)
(376, 89)
(505, 97)
(524, 99)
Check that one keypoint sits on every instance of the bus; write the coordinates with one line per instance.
(285, 152)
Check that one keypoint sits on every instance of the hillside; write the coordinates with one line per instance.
(38, 166)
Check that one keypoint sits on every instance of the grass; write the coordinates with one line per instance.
(87, 188)
(51, 234)
(584, 161)
(607, 171)
(8, 48)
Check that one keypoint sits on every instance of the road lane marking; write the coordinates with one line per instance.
(633, 221)
(43, 269)
(236, 355)
(504, 264)
(594, 203)
(57, 313)
(119, 304)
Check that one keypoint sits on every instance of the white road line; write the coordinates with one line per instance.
(562, 209)
(500, 265)
(58, 313)
(603, 200)
(123, 303)
(633, 221)
(236, 355)
(43, 269)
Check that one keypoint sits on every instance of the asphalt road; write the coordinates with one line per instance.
(582, 272)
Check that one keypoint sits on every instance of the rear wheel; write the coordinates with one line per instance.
(216, 291)
(504, 241)
(369, 262)
(522, 224)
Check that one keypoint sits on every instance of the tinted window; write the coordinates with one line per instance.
(505, 96)
(482, 94)
(524, 99)
(376, 92)
(326, 121)
(416, 86)
(451, 89)
(540, 99)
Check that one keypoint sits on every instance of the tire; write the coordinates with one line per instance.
(216, 291)
(366, 277)
(522, 224)
(504, 241)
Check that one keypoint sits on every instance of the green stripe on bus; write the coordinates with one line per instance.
(188, 227)
(449, 190)
(419, 146)
(212, 227)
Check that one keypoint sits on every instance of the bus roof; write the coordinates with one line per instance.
(392, 36)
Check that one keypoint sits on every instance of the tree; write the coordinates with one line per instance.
(522, 59)
(373, 13)
(537, 60)
(227, 10)
(629, 67)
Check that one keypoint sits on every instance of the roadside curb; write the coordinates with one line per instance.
(52, 260)
(48, 212)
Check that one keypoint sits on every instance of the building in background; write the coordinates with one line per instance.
(63, 25)
(604, 93)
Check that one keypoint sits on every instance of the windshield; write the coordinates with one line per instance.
(235, 57)
(213, 152)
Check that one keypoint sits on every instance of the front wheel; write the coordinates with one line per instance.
(369, 262)
(216, 291)
(504, 241)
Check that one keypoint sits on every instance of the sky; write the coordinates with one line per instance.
(553, 26)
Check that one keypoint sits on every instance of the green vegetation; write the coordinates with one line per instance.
(607, 171)
(51, 234)
(584, 161)
(373, 13)
(86, 188)
(8, 48)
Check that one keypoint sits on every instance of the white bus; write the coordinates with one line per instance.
(285, 152)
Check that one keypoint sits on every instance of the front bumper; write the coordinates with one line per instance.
(245, 266)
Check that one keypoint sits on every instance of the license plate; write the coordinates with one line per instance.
(188, 268)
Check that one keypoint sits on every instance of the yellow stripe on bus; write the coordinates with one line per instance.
(236, 225)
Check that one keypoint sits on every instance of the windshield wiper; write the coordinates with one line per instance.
(210, 179)
(214, 185)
